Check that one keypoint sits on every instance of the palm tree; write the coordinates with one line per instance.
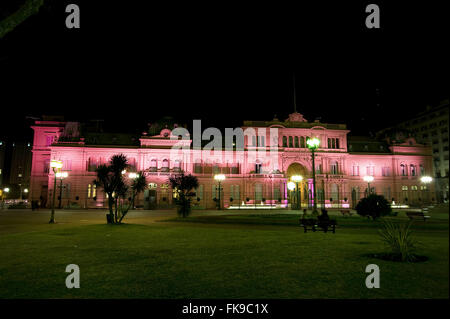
(138, 185)
(110, 178)
(184, 186)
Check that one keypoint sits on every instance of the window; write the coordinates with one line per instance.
(334, 169)
(333, 143)
(402, 170)
(414, 188)
(89, 191)
(370, 170)
(318, 168)
(165, 165)
(92, 164)
(422, 169)
(198, 167)
(234, 193)
(177, 166)
(302, 142)
(291, 144)
(262, 141)
(153, 165)
(413, 170)
(385, 171)
(46, 166)
(258, 167)
(296, 142)
(199, 192)
(355, 170)
(284, 141)
(404, 188)
(253, 140)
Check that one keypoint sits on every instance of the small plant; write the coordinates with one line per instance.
(397, 236)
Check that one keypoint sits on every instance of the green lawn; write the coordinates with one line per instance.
(231, 256)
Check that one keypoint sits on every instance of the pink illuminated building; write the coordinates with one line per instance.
(255, 177)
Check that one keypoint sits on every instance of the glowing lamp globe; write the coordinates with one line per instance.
(368, 179)
(219, 177)
(56, 164)
(297, 178)
(291, 186)
(132, 175)
(426, 179)
(313, 143)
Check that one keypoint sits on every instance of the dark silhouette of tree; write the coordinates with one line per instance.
(111, 179)
(373, 206)
(184, 186)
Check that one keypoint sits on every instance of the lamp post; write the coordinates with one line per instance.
(368, 179)
(296, 179)
(426, 180)
(61, 176)
(56, 167)
(5, 191)
(133, 175)
(291, 187)
(219, 178)
(313, 144)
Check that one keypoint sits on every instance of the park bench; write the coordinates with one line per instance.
(346, 212)
(316, 225)
(412, 215)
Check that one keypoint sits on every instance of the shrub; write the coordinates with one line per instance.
(373, 206)
(397, 236)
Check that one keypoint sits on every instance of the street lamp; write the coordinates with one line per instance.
(132, 175)
(368, 179)
(56, 167)
(219, 178)
(5, 190)
(313, 144)
(426, 180)
(296, 179)
(61, 176)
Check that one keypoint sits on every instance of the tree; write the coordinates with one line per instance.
(373, 206)
(184, 186)
(110, 179)
(138, 185)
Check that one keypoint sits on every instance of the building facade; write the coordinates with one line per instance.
(431, 128)
(257, 175)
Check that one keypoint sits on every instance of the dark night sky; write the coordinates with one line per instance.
(224, 63)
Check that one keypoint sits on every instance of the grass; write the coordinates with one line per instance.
(228, 256)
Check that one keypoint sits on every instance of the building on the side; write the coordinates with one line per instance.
(257, 175)
(2, 161)
(430, 127)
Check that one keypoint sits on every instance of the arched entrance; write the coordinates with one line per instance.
(297, 200)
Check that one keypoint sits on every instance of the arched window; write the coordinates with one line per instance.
(402, 170)
(153, 165)
(258, 166)
(413, 170)
(165, 165)
(177, 166)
